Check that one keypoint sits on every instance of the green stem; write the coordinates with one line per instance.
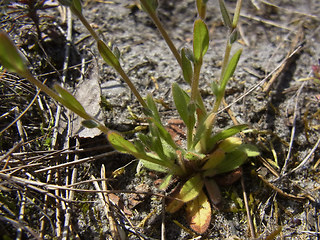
(225, 62)
(195, 94)
(163, 32)
(51, 93)
(85, 23)
(117, 68)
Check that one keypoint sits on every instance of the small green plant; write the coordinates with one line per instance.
(206, 153)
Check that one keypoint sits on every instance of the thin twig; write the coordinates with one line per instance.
(293, 130)
(252, 232)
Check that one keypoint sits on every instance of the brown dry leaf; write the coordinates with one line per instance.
(88, 93)
(199, 213)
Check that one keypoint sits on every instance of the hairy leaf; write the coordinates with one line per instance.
(152, 106)
(154, 166)
(77, 5)
(191, 188)
(149, 4)
(166, 182)
(230, 70)
(108, 55)
(199, 213)
(89, 123)
(69, 98)
(181, 100)
(225, 14)
(186, 67)
(201, 6)
(121, 144)
(200, 39)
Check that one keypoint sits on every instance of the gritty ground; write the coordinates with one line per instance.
(280, 45)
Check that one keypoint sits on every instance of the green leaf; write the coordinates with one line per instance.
(191, 189)
(186, 67)
(201, 6)
(230, 144)
(108, 55)
(146, 140)
(225, 134)
(232, 161)
(121, 144)
(214, 159)
(233, 36)
(156, 142)
(77, 5)
(152, 106)
(89, 124)
(166, 181)
(215, 88)
(69, 98)
(199, 213)
(10, 57)
(225, 14)
(230, 70)
(181, 100)
(250, 150)
(154, 166)
(200, 39)
(192, 156)
(165, 135)
(149, 4)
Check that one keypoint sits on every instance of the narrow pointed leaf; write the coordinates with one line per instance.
(149, 4)
(230, 69)
(225, 14)
(200, 39)
(121, 144)
(154, 166)
(152, 106)
(181, 100)
(165, 135)
(10, 57)
(186, 67)
(215, 88)
(108, 55)
(89, 124)
(199, 213)
(77, 5)
(191, 189)
(201, 6)
(69, 98)
(166, 182)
